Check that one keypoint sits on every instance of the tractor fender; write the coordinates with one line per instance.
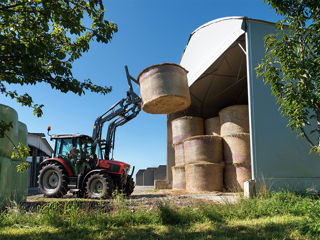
(63, 163)
(89, 173)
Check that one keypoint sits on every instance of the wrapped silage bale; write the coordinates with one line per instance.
(8, 114)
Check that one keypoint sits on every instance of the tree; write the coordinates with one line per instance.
(39, 41)
(292, 65)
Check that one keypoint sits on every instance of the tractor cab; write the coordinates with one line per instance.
(67, 145)
(77, 165)
(77, 150)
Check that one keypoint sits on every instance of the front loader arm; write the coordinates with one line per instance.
(122, 112)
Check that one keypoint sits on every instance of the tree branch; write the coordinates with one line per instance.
(5, 8)
(307, 137)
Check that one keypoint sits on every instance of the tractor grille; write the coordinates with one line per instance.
(114, 167)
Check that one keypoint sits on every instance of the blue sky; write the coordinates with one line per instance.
(150, 32)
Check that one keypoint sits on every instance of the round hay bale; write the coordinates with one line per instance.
(212, 126)
(234, 119)
(164, 88)
(178, 154)
(204, 176)
(235, 176)
(236, 148)
(185, 127)
(8, 114)
(203, 148)
(178, 178)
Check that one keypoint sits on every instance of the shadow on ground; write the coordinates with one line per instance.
(215, 231)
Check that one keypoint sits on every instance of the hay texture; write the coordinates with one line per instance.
(185, 127)
(164, 88)
(178, 178)
(203, 148)
(234, 119)
(236, 148)
(235, 176)
(212, 126)
(179, 154)
(204, 176)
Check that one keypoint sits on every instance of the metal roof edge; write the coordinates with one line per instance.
(207, 24)
(45, 142)
(259, 20)
(218, 20)
(244, 18)
(231, 18)
(37, 134)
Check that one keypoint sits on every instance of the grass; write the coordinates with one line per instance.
(274, 216)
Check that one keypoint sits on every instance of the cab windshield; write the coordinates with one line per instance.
(65, 145)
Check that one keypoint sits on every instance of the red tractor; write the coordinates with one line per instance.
(82, 164)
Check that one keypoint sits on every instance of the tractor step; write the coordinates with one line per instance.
(74, 190)
(72, 182)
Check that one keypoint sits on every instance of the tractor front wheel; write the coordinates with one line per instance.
(99, 185)
(52, 181)
(129, 187)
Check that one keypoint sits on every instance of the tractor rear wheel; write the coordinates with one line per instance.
(52, 181)
(99, 185)
(129, 187)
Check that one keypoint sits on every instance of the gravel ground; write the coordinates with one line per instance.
(143, 197)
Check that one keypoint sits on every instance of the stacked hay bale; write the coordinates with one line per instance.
(212, 126)
(235, 132)
(164, 90)
(204, 163)
(183, 128)
(205, 159)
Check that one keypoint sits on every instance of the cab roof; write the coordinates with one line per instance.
(75, 135)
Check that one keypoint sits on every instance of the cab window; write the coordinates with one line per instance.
(63, 146)
(86, 147)
(98, 152)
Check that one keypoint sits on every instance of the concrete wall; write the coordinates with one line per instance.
(160, 173)
(148, 177)
(139, 177)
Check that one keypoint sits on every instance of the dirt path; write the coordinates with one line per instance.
(145, 197)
